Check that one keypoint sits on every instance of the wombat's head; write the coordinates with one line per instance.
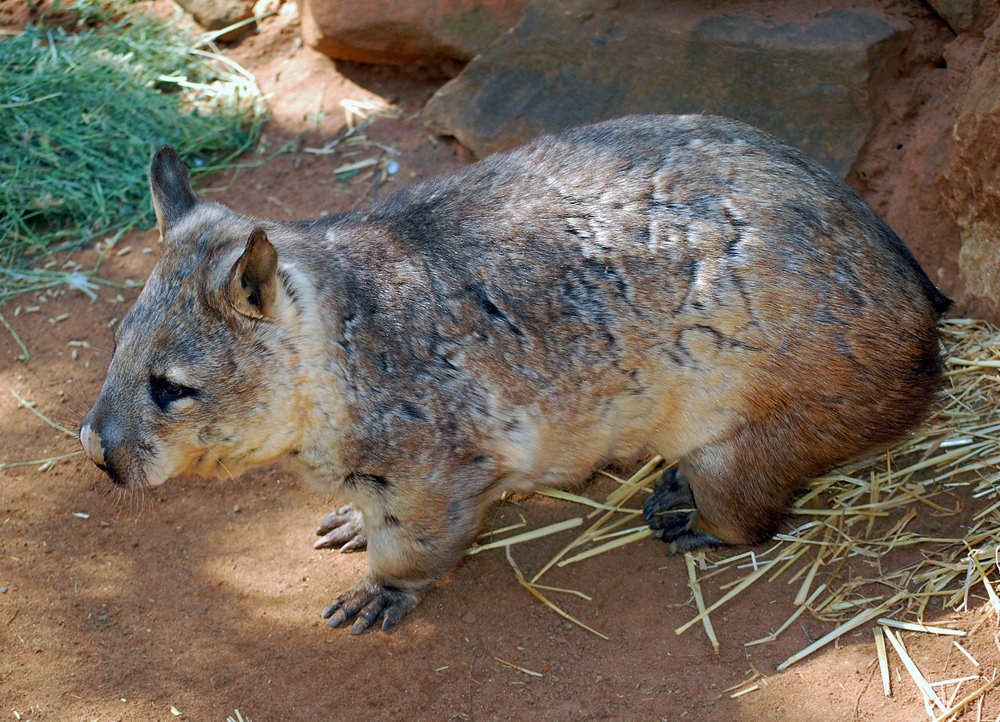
(198, 376)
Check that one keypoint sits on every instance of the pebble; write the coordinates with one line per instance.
(469, 618)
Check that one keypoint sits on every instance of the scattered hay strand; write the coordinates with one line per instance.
(700, 601)
(527, 536)
(574, 592)
(731, 594)
(952, 712)
(956, 680)
(742, 692)
(790, 621)
(744, 683)
(351, 141)
(883, 660)
(519, 668)
(986, 583)
(541, 597)
(359, 113)
(615, 500)
(925, 688)
(964, 651)
(633, 536)
(909, 626)
(582, 500)
(503, 530)
(862, 618)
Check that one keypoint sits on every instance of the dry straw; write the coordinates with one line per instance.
(850, 558)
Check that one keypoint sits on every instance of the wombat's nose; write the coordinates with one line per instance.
(91, 441)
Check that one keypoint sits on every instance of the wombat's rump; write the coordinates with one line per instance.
(686, 286)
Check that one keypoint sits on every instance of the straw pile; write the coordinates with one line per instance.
(863, 510)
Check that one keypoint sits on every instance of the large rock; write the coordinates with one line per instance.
(972, 181)
(967, 16)
(931, 167)
(799, 74)
(403, 31)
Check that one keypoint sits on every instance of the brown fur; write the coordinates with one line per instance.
(680, 285)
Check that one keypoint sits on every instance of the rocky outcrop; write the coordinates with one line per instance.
(801, 75)
(972, 179)
(967, 16)
(931, 166)
(403, 31)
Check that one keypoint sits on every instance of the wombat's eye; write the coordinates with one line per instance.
(165, 391)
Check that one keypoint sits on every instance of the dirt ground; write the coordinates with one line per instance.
(203, 597)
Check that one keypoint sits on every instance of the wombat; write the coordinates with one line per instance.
(680, 285)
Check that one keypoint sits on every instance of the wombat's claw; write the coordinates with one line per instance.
(672, 515)
(343, 528)
(368, 602)
(669, 490)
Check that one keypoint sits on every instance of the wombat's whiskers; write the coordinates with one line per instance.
(99, 349)
(137, 499)
(127, 503)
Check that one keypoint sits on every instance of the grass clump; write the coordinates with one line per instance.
(81, 112)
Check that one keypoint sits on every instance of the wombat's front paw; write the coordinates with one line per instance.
(368, 601)
(677, 526)
(343, 528)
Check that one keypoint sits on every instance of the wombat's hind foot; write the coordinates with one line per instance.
(673, 517)
(368, 601)
(344, 528)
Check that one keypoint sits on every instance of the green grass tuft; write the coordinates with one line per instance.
(81, 113)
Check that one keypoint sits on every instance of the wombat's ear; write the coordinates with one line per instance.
(253, 283)
(173, 196)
